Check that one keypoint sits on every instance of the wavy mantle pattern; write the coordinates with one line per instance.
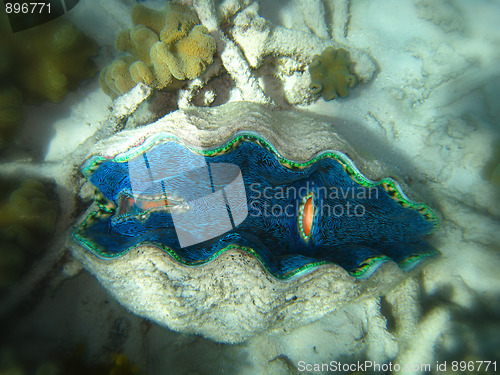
(162, 191)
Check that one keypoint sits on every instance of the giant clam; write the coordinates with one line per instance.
(179, 232)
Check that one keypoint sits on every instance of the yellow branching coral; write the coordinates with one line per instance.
(189, 56)
(330, 75)
(163, 46)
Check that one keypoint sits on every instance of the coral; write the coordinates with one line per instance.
(46, 61)
(27, 219)
(258, 38)
(39, 64)
(330, 75)
(313, 13)
(249, 46)
(340, 17)
(162, 47)
(381, 345)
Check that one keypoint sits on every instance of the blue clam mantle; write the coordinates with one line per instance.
(197, 203)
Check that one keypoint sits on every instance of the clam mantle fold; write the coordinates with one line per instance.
(240, 219)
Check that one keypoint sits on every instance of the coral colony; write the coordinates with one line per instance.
(330, 75)
(163, 48)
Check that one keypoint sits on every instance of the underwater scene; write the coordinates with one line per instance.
(247, 187)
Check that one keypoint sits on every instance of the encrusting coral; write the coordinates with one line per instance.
(330, 75)
(27, 220)
(162, 46)
(40, 64)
